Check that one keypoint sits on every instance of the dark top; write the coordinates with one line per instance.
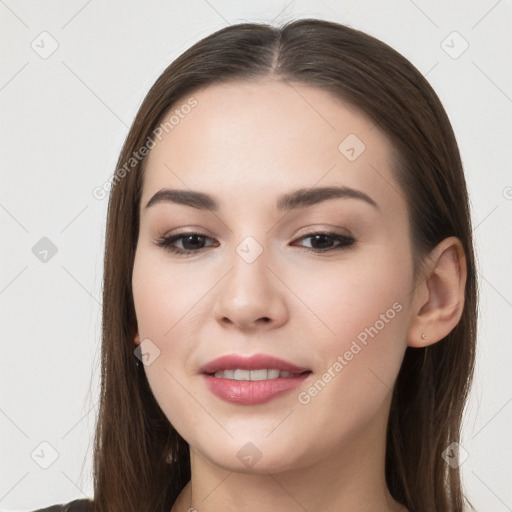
(83, 505)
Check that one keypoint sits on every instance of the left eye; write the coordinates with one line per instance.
(192, 242)
(322, 239)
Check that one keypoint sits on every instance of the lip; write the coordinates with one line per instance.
(255, 362)
(252, 392)
(247, 392)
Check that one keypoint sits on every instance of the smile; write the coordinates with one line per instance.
(240, 374)
(243, 391)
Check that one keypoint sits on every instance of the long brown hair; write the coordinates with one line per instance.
(140, 462)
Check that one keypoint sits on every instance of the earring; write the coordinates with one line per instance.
(423, 336)
(136, 340)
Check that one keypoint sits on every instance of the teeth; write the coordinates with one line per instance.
(242, 375)
(239, 374)
(273, 374)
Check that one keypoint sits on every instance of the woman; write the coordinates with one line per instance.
(289, 254)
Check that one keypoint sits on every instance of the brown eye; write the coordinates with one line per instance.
(195, 242)
(191, 242)
(323, 242)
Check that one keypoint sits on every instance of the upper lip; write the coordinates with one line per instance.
(255, 362)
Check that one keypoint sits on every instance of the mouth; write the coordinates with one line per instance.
(252, 380)
(243, 391)
(257, 365)
(241, 374)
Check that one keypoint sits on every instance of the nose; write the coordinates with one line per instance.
(251, 296)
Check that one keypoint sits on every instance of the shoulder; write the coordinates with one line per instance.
(83, 505)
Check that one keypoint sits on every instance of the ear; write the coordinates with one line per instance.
(136, 340)
(439, 295)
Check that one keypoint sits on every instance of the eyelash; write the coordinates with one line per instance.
(347, 242)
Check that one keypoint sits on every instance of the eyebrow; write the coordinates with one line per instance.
(300, 198)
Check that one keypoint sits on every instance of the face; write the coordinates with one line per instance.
(323, 284)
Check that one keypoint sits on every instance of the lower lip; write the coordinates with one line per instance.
(252, 392)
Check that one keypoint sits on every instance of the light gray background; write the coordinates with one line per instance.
(63, 121)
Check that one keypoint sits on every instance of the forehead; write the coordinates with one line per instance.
(245, 141)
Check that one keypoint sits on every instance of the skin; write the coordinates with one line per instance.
(246, 144)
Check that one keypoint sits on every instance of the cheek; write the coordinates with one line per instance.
(163, 299)
(349, 296)
(165, 306)
(363, 308)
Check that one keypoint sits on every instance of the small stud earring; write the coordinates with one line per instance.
(423, 336)
(136, 341)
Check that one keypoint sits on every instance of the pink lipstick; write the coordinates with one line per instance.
(251, 380)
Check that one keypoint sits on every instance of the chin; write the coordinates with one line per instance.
(256, 458)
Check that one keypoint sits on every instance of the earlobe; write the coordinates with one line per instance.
(439, 308)
(136, 340)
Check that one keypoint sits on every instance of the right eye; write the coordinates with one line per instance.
(192, 240)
